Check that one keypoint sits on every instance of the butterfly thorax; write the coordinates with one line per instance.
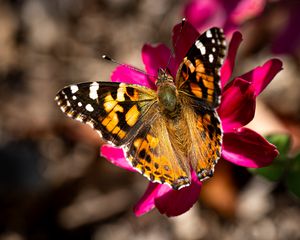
(167, 94)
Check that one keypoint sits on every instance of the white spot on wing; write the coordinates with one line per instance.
(201, 47)
(79, 104)
(74, 97)
(221, 61)
(90, 123)
(74, 88)
(89, 108)
(211, 58)
(120, 93)
(208, 34)
(213, 49)
(79, 118)
(93, 90)
(100, 134)
(213, 40)
(63, 108)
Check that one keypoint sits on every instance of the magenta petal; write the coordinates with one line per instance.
(228, 65)
(237, 105)
(116, 156)
(175, 202)
(204, 14)
(247, 9)
(168, 201)
(156, 57)
(146, 203)
(263, 75)
(182, 41)
(126, 75)
(246, 148)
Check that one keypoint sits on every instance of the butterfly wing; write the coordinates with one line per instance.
(199, 74)
(198, 83)
(127, 116)
(152, 154)
(208, 130)
(116, 110)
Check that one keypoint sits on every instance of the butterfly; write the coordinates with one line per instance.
(165, 133)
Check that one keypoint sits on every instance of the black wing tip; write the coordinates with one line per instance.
(215, 28)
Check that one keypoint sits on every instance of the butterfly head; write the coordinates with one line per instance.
(163, 77)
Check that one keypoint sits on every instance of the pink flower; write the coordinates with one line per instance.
(241, 146)
(220, 13)
(231, 14)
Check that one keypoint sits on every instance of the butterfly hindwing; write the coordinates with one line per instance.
(116, 110)
(210, 132)
(152, 154)
(199, 73)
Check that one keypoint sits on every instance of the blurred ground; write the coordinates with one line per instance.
(53, 184)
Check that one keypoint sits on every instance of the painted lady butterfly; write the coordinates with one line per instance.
(165, 133)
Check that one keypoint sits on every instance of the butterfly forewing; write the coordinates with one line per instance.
(199, 73)
(116, 110)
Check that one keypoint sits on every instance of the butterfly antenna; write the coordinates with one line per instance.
(105, 57)
(176, 41)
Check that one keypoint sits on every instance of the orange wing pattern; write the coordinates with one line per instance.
(116, 110)
(199, 73)
(209, 129)
(153, 154)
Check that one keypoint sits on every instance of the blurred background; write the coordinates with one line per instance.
(54, 184)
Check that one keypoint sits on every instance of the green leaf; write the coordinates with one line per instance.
(278, 167)
(282, 142)
(293, 176)
(273, 172)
